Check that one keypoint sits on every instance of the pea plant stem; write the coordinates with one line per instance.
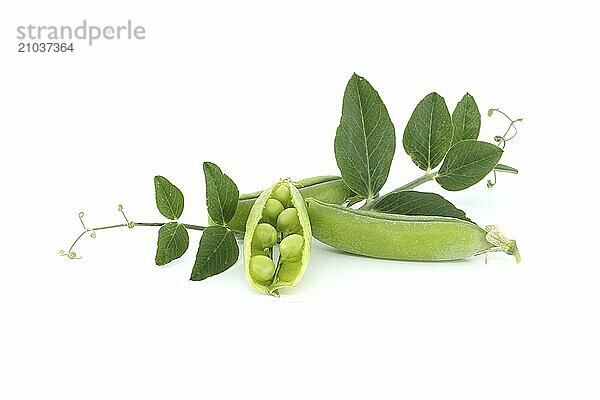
(126, 225)
(188, 226)
(428, 176)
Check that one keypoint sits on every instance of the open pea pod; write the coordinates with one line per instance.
(278, 239)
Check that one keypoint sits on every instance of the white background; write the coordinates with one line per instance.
(257, 87)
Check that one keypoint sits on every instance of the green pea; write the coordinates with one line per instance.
(265, 236)
(290, 248)
(282, 193)
(403, 237)
(262, 268)
(288, 221)
(272, 210)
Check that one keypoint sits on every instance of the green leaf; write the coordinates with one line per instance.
(428, 134)
(221, 194)
(217, 252)
(409, 202)
(467, 163)
(506, 168)
(466, 120)
(365, 140)
(169, 198)
(173, 241)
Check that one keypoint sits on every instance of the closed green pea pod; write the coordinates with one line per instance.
(403, 237)
(295, 253)
(330, 189)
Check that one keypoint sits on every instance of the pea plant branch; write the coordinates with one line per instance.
(70, 253)
(403, 224)
(430, 176)
(501, 141)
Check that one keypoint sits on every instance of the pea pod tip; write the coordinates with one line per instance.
(514, 250)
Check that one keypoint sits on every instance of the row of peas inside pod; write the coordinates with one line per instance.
(277, 240)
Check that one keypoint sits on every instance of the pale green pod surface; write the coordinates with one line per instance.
(398, 237)
(330, 189)
(288, 272)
